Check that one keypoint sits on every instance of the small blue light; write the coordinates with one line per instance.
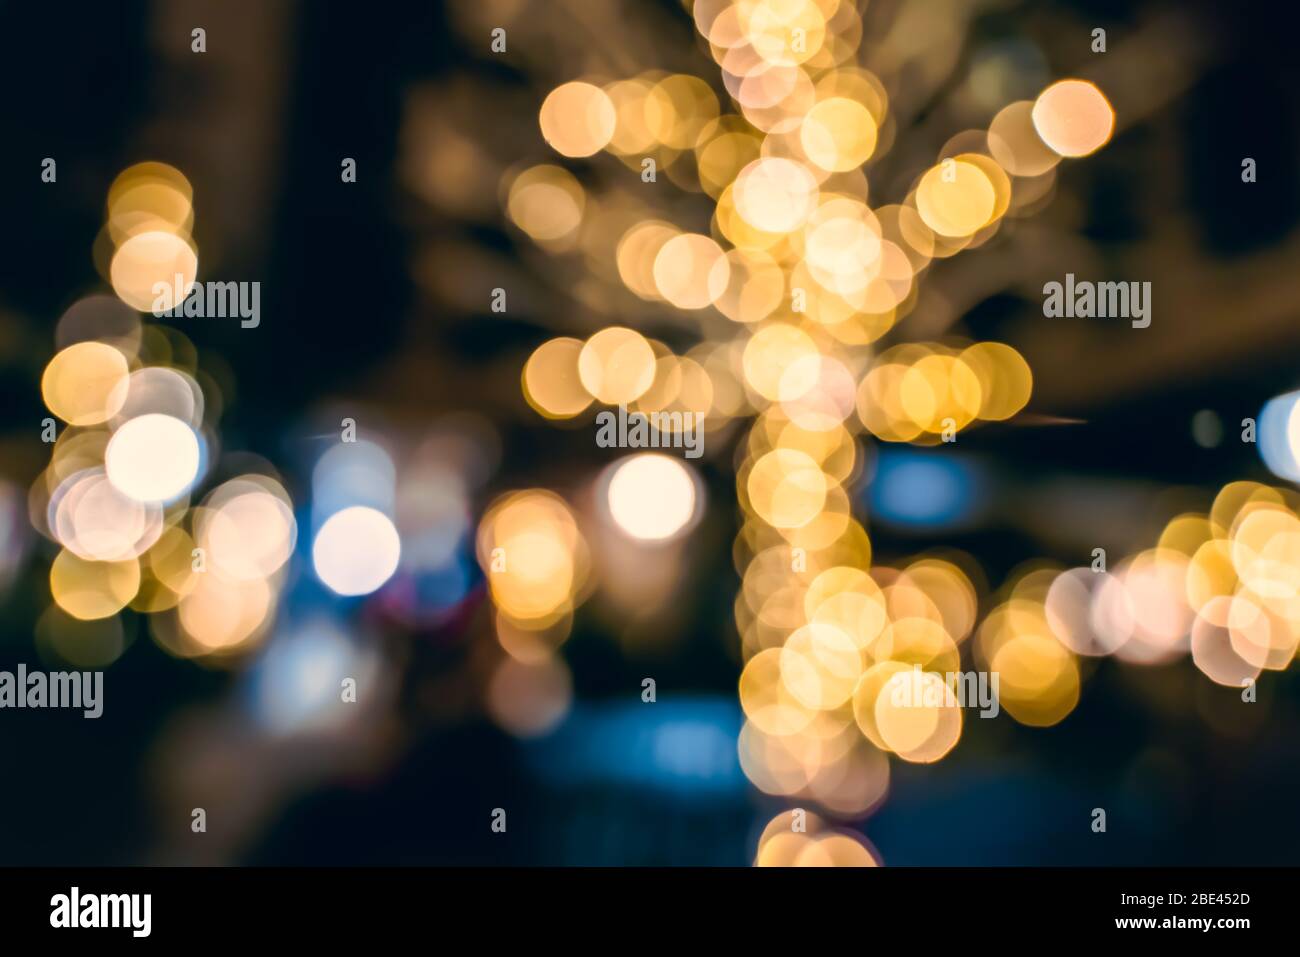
(1273, 436)
(352, 473)
(296, 682)
(682, 746)
(924, 489)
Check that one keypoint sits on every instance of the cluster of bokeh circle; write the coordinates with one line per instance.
(811, 273)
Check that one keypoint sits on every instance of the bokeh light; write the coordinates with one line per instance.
(356, 550)
(652, 497)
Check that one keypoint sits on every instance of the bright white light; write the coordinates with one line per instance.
(1278, 436)
(651, 497)
(152, 458)
(356, 550)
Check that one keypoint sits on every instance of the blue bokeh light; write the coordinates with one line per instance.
(684, 746)
(924, 489)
